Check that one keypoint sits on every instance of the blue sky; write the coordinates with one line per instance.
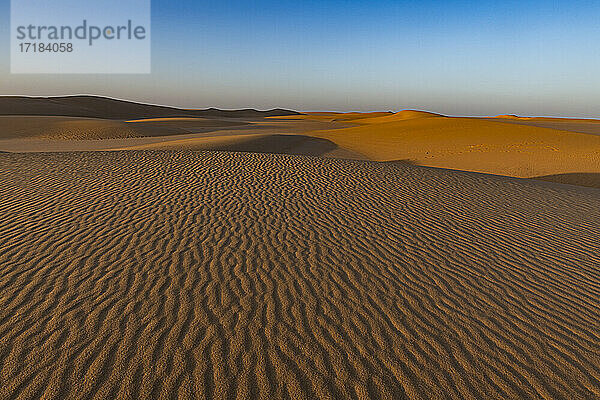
(453, 57)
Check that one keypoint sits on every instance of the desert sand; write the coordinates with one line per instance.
(473, 144)
(154, 252)
(559, 150)
(181, 274)
(569, 124)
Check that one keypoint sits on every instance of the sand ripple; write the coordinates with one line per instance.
(223, 275)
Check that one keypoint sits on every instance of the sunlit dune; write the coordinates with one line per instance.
(399, 116)
(591, 126)
(548, 119)
(333, 116)
(471, 144)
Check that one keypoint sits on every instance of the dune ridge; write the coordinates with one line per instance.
(148, 274)
(404, 115)
(109, 108)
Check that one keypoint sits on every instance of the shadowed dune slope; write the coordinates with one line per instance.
(240, 275)
(108, 108)
(582, 179)
(76, 128)
(255, 143)
(67, 128)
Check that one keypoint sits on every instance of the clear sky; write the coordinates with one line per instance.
(454, 57)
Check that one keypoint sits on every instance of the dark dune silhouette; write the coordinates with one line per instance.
(108, 108)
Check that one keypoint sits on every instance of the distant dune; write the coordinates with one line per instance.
(107, 108)
(68, 128)
(568, 124)
(339, 117)
(240, 275)
(560, 149)
(470, 144)
(400, 116)
(76, 128)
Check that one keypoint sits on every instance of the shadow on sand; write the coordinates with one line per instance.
(579, 179)
(279, 144)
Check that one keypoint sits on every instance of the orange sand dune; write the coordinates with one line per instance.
(549, 119)
(332, 116)
(362, 118)
(220, 275)
(399, 116)
(470, 144)
(568, 124)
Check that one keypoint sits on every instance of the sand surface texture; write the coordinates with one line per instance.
(222, 275)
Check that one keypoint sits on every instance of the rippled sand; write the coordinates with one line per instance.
(224, 275)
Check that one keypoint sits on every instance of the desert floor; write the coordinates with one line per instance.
(180, 274)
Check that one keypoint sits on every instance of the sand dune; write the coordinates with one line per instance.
(349, 117)
(255, 143)
(108, 108)
(43, 134)
(581, 179)
(568, 124)
(470, 144)
(399, 116)
(67, 128)
(559, 149)
(74, 128)
(240, 275)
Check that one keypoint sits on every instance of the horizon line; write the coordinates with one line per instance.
(149, 103)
